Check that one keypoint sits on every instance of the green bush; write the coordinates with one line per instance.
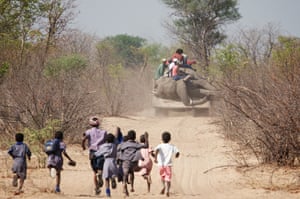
(35, 138)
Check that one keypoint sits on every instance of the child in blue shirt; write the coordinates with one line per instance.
(18, 152)
(55, 161)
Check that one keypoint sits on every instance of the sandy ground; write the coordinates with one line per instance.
(205, 169)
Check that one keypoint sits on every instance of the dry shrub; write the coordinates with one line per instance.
(261, 106)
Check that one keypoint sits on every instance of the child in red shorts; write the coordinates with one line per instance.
(163, 157)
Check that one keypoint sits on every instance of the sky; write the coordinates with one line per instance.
(146, 18)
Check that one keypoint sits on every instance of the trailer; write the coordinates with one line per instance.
(167, 107)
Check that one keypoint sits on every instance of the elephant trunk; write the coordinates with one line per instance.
(182, 92)
(186, 99)
(202, 83)
(208, 92)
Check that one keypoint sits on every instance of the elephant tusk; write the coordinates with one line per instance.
(198, 102)
(191, 101)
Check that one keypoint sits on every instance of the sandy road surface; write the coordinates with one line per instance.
(202, 171)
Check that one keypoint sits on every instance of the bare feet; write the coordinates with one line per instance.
(145, 177)
(125, 190)
(15, 181)
(113, 183)
(18, 192)
(97, 190)
(149, 179)
(126, 193)
(128, 181)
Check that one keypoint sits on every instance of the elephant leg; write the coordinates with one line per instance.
(182, 92)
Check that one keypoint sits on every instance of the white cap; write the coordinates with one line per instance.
(164, 60)
(94, 121)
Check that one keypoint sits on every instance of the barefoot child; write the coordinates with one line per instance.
(119, 161)
(110, 169)
(18, 152)
(145, 164)
(55, 160)
(130, 155)
(163, 157)
(95, 138)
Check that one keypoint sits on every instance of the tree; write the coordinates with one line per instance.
(69, 99)
(128, 48)
(57, 14)
(197, 24)
(248, 47)
(17, 17)
(16, 21)
(260, 98)
(256, 44)
(24, 23)
(123, 73)
(28, 28)
(111, 78)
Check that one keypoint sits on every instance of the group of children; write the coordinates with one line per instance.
(113, 157)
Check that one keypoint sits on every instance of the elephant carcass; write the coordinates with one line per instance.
(189, 92)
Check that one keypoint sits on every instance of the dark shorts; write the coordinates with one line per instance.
(129, 166)
(96, 162)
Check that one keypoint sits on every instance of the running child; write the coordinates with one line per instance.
(119, 161)
(130, 155)
(145, 164)
(110, 169)
(163, 157)
(55, 160)
(95, 138)
(18, 152)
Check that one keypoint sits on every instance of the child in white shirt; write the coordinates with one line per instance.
(163, 157)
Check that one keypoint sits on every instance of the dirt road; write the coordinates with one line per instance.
(205, 168)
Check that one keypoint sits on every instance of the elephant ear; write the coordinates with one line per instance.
(182, 93)
(199, 81)
(191, 72)
(166, 88)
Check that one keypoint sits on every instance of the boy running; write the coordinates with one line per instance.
(163, 157)
(145, 164)
(95, 138)
(55, 160)
(130, 155)
(18, 152)
(110, 169)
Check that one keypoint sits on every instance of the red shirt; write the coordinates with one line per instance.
(177, 56)
(175, 70)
